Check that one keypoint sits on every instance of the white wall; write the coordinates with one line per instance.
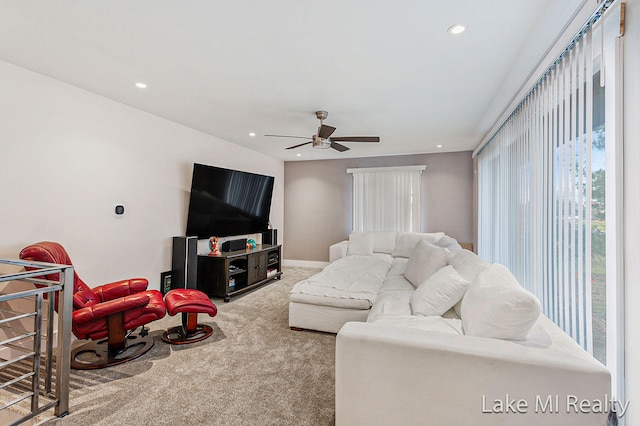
(319, 198)
(632, 208)
(68, 156)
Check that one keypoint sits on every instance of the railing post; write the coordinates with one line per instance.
(37, 356)
(64, 341)
(49, 350)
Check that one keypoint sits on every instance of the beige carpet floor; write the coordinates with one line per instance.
(254, 370)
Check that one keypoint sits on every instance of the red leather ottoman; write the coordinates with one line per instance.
(189, 303)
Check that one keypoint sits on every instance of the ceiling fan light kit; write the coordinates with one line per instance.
(320, 143)
(323, 140)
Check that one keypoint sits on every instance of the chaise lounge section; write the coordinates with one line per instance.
(347, 288)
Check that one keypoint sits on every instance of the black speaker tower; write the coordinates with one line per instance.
(184, 262)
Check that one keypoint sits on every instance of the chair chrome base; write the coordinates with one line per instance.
(102, 356)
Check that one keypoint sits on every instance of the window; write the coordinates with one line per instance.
(549, 185)
(387, 198)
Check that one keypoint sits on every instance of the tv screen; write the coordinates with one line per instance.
(227, 202)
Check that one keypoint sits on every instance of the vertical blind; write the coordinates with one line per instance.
(535, 188)
(387, 198)
(534, 185)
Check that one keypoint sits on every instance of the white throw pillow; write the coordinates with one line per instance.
(398, 265)
(448, 243)
(496, 306)
(383, 241)
(360, 243)
(468, 265)
(406, 242)
(425, 260)
(439, 292)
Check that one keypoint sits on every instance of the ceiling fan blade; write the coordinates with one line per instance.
(339, 147)
(356, 139)
(299, 145)
(325, 131)
(287, 136)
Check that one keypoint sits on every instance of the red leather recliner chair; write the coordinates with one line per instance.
(106, 311)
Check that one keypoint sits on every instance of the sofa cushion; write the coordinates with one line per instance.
(448, 243)
(436, 324)
(397, 283)
(496, 306)
(360, 243)
(439, 292)
(425, 260)
(398, 266)
(350, 282)
(468, 265)
(390, 303)
(384, 241)
(406, 242)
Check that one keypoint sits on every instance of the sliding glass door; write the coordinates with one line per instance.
(549, 192)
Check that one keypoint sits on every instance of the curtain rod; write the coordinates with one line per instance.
(387, 169)
(595, 17)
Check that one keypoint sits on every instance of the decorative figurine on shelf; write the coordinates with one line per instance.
(251, 243)
(214, 249)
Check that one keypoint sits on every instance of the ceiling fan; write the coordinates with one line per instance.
(322, 139)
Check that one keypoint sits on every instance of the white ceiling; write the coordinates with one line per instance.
(228, 68)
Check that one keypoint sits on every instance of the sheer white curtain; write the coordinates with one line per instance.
(541, 191)
(387, 198)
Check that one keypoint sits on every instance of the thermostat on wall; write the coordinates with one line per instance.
(118, 210)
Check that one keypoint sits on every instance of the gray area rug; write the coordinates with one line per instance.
(254, 370)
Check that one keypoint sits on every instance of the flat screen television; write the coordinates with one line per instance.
(227, 202)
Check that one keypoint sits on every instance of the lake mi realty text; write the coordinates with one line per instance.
(554, 404)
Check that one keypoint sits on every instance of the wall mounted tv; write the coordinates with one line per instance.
(227, 202)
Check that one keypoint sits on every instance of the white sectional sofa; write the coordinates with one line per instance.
(429, 333)
(346, 289)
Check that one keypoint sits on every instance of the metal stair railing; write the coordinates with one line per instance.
(32, 371)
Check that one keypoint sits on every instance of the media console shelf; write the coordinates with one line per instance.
(235, 272)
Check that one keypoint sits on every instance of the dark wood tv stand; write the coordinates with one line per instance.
(235, 272)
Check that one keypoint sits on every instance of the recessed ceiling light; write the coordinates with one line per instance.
(298, 155)
(141, 85)
(438, 146)
(252, 134)
(456, 29)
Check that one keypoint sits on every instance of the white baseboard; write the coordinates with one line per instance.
(304, 263)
